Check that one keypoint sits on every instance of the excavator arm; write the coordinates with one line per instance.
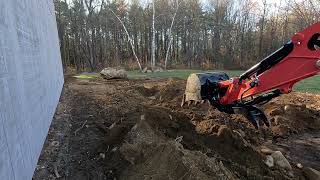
(271, 77)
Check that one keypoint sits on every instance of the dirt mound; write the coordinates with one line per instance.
(290, 119)
(172, 89)
(154, 155)
(147, 91)
(164, 145)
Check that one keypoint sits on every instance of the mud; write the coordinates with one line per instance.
(136, 129)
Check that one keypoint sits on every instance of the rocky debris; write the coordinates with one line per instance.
(311, 174)
(280, 160)
(113, 73)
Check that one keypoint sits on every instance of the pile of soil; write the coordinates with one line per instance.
(136, 129)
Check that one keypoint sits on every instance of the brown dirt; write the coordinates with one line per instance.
(136, 129)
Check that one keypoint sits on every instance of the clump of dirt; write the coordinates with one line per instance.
(136, 129)
(172, 90)
(288, 119)
(147, 91)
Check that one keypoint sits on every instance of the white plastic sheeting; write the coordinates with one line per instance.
(31, 80)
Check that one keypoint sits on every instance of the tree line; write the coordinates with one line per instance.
(211, 34)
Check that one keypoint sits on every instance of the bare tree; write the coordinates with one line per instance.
(262, 27)
(170, 34)
(153, 40)
(129, 39)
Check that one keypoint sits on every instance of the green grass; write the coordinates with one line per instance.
(183, 74)
(311, 85)
(86, 76)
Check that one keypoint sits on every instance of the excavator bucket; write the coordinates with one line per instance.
(201, 86)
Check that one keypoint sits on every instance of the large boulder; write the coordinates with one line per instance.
(113, 73)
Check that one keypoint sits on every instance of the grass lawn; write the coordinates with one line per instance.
(311, 85)
(86, 76)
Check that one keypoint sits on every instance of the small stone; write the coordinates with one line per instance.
(152, 97)
(311, 174)
(134, 127)
(145, 70)
(142, 117)
(266, 151)
(269, 161)
(299, 165)
(55, 143)
(102, 155)
(280, 160)
(114, 149)
(288, 108)
(290, 174)
(243, 134)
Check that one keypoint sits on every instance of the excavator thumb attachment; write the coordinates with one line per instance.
(253, 114)
(202, 86)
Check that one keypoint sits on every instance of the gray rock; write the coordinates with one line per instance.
(113, 73)
(311, 174)
(280, 160)
(269, 161)
(145, 70)
(158, 69)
